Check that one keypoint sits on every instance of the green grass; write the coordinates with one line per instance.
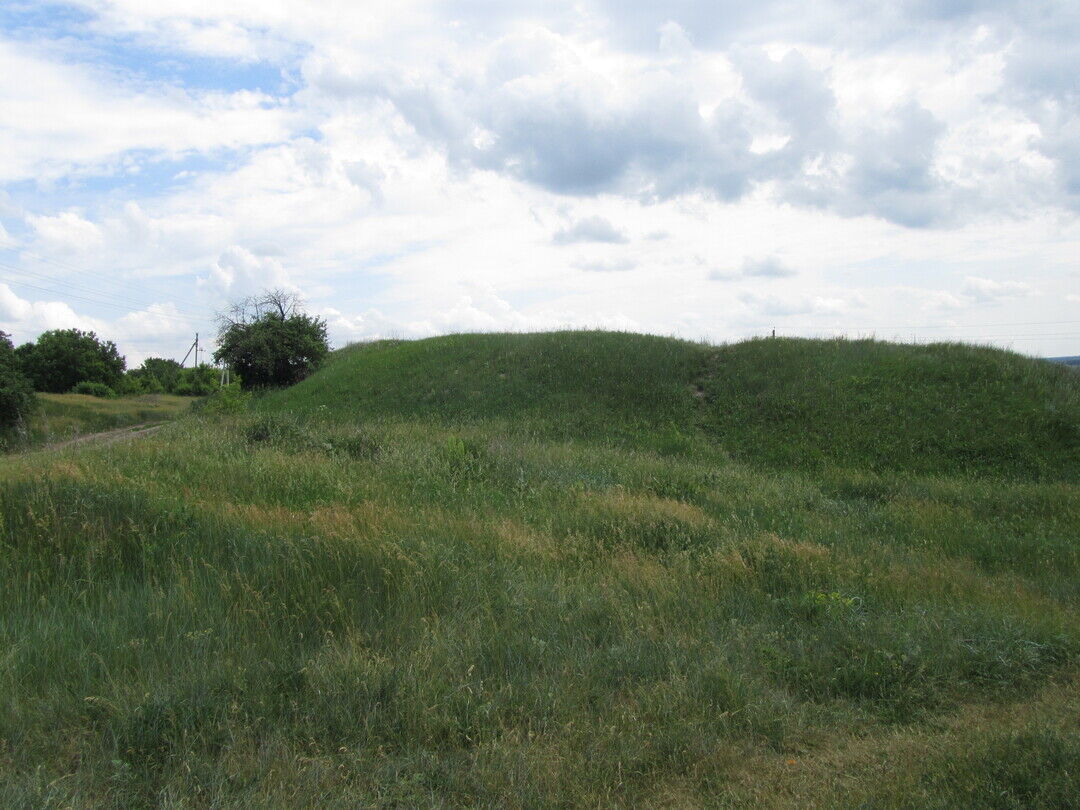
(395, 602)
(783, 402)
(60, 417)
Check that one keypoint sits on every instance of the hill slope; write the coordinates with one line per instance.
(401, 601)
(790, 402)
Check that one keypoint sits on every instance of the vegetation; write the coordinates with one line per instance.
(94, 389)
(783, 402)
(269, 342)
(63, 358)
(158, 375)
(16, 393)
(553, 570)
(62, 417)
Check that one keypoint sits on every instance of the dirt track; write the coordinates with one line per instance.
(109, 436)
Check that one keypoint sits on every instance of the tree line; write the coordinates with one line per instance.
(266, 341)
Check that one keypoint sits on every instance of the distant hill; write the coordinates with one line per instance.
(782, 402)
(1067, 361)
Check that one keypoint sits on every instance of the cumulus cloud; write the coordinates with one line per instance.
(985, 290)
(79, 118)
(238, 273)
(25, 319)
(772, 305)
(589, 229)
(767, 267)
(608, 265)
(416, 160)
(68, 232)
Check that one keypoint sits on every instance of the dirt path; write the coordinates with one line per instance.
(110, 436)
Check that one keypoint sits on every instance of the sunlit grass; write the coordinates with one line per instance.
(340, 610)
(60, 417)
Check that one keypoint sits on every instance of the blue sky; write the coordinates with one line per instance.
(711, 170)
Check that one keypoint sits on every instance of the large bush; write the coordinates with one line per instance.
(63, 358)
(16, 393)
(269, 342)
(155, 376)
(94, 389)
(196, 382)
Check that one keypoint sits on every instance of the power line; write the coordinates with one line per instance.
(921, 326)
(84, 271)
(79, 288)
(98, 302)
(1004, 335)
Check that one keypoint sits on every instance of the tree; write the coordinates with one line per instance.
(154, 376)
(63, 358)
(16, 393)
(197, 381)
(269, 341)
(164, 370)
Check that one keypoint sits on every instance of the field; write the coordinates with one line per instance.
(577, 569)
(62, 417)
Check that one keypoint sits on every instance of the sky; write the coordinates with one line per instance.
(712, 170)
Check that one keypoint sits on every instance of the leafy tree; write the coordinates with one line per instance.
(63, 358)
(94, 389)
(269, 341)
(197, 382)
(16, 393)
(136, 382)
(155, 376)
(7, 351)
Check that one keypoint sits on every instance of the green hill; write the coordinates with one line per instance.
(525, 571)
(787, 402)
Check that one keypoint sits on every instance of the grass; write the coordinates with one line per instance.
(339, 601)
(61, 417)
(783, 402)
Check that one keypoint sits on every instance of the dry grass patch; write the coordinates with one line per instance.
(645, 506)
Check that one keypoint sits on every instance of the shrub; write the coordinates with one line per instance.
(16, 393)
(227, 399)
(16, 398)
(135, 383)
(62, 358)
(196, 382)
(94, 389)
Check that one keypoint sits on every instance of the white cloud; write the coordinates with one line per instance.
(238, 273)
(425, 167)
(766, 267)
(68, 232)
(772, 305)
(589, 229)
(985, 289)
(608, 265)
(64, 118)
(21, 317)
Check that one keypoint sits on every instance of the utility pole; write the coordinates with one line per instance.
(194, 347)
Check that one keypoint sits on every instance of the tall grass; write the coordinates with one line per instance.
(60, 417)
(339, 607)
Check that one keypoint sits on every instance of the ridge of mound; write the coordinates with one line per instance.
(938, 408)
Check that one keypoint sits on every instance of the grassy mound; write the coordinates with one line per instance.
(272, 611)
(446, 574)
(785, 402)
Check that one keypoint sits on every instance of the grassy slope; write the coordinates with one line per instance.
(403, 601)
(65, 416)
(810, 404)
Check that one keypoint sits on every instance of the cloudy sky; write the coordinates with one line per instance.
(710, 169)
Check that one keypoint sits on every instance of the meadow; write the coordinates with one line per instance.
(567, 570)
(63, 417)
